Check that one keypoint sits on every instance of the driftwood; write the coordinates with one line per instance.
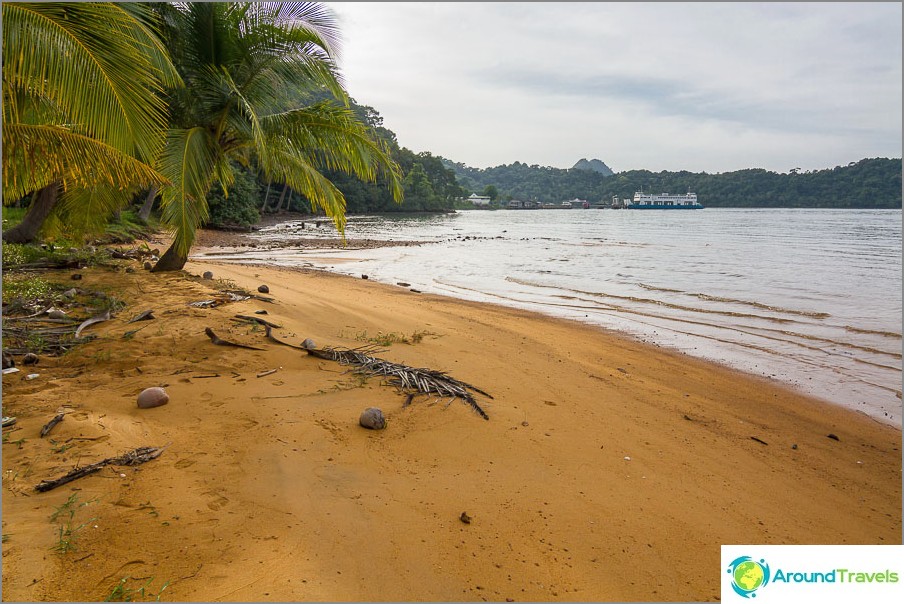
(424, 381)
(273, 338)
(104, 316)
(221, 342)
(257, 320)
(132, 458)
(49, 425)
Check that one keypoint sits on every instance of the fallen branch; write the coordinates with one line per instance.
(49, 425)
(424, 381)
(274, 339)
(257, 320)
(132, 458)
(221, 342)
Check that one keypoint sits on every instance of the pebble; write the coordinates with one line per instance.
(263, 289)
(309, 344)
(207, 275)
(30, 359)
(70, 293)
(372, 418)
(365, 277)
(152, 397)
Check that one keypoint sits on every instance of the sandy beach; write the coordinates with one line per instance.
(609, 469)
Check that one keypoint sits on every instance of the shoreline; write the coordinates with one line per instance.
(609, 469)
(323, 255)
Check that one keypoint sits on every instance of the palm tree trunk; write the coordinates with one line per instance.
(145, 212)
(171, 260)
(266, 197)
(41, 205)
(281, 197)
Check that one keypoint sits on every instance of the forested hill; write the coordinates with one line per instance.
(868, 183)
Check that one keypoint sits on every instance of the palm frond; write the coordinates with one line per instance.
(284, 163)
(36, 155)
(107, 84)
(191, 161)
(333, 138)
(410, 379)
(82, 211)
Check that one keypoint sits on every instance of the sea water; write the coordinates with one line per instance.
(808, 297)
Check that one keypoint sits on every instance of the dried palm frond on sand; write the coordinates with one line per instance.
(411, 379)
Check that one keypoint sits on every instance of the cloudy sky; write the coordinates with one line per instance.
(711, 87)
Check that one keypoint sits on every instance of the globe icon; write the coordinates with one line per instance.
(748, 575)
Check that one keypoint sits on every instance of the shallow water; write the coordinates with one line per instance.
(808, 297)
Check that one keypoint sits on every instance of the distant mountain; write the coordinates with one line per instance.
(594, 165)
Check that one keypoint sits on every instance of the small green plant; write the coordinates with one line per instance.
(60, 447)
(24, 286)
(66, 532)
(101, 356)
(122, 592)
(393, 337)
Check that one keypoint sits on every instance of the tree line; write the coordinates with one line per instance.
(868, 183)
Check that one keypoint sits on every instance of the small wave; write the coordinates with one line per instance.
(872, 332)
(760, 305)
(650, 301)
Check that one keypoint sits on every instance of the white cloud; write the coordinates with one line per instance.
(664, 86)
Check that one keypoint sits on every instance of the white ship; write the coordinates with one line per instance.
(664, 201)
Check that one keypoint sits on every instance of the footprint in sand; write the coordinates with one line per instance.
(337, 433)
(217, 501)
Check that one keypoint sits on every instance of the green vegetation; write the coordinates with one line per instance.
(428, 184)
(67, 533)
(124, 592)
(241, 206)
(388, 339)
(869, 183)
(248, 70)
(80, 143)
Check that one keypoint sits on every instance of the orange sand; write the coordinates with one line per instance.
(270, 490)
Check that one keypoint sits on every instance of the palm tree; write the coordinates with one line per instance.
(82, 115)
(248, 68)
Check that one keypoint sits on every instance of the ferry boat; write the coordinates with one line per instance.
(665, 201)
